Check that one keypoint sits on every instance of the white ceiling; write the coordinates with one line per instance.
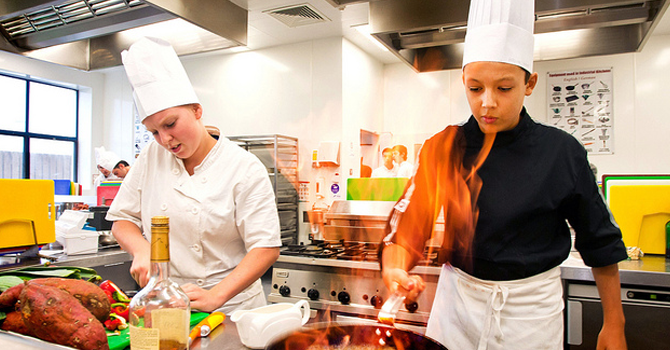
(265, 31)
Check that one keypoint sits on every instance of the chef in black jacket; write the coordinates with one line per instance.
(518, 182)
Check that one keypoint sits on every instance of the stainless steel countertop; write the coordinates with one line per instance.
(104, 256)
(648, 271)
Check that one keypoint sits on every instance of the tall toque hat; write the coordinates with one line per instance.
(157, 76)
(500, 31)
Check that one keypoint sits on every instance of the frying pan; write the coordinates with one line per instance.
(571, 87)
(338, 335)
(571, 98)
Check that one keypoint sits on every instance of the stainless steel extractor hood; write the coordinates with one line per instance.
(428, 34)
(90, 34)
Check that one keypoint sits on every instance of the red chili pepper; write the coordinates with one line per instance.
(109, 296)
(116, 323)
(117, 293)
(120, 309)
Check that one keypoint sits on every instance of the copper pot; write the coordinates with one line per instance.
(337, 336)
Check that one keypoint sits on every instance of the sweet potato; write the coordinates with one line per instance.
(56, 316)
(9, 297)
(14, 323)
(90, 295)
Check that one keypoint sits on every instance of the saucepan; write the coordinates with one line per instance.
(334, 335)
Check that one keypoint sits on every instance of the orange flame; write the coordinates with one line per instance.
(454, 187)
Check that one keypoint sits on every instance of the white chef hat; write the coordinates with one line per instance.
(106, 159)
(159, 80)
(500, 31)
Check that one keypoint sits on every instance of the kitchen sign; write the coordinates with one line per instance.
(580, 102)
(142, 136)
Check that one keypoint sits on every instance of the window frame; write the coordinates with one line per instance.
(27, 135)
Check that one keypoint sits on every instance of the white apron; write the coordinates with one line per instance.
(469, 313)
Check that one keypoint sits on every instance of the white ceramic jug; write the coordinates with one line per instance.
(257, 327)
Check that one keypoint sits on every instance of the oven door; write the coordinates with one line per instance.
(647, 313)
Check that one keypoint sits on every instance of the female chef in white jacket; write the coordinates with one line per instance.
(224, 228)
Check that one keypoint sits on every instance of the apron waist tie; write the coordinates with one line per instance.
(495, 304)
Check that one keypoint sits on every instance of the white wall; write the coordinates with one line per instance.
(323, 90)
(425, 103)
(362, 106)
(91, 107)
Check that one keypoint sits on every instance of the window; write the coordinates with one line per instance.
(38, 129)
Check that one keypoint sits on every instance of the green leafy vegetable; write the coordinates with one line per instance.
(7, 282)
(31, 272)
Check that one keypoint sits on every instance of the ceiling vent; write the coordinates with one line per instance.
(90, 34)
(429, 34)
(297, 15)
(63, 14)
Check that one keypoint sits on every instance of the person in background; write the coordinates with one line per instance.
(366, 171)
(388, 169)
(121, 169)
(500, 286)
(405, 168)
(106, 161)
(224, 225)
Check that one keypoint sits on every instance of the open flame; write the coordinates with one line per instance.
(457, 197)
(353, 337)
(454, 187)
(452, 203)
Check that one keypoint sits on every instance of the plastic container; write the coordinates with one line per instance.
(83, 242)
(75, 235)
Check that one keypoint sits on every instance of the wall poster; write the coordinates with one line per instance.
(142, 136)
(580, 102)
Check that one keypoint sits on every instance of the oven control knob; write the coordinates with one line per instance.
(284, 291)
(376, 301)
(344, 298)
(313, 294)
(411, 307)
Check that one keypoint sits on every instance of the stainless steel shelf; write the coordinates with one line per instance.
(279, 154)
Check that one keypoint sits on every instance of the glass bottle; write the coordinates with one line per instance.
(161, 311)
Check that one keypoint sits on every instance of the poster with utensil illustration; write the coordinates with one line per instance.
(142, 136)
(580, 102)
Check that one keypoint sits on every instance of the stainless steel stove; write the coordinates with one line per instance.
(341, 278)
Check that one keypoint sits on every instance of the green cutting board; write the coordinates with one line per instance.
(122, 341)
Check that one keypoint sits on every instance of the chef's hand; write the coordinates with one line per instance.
(611, 339)
(202, 299)
(140, 269)
(397, 279)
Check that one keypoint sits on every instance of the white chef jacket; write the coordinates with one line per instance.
(101, 177)
(382, 171)
(405, 169)
(218, 214)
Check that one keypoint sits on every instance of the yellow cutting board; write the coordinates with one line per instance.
(641, 212)
(24, 203)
